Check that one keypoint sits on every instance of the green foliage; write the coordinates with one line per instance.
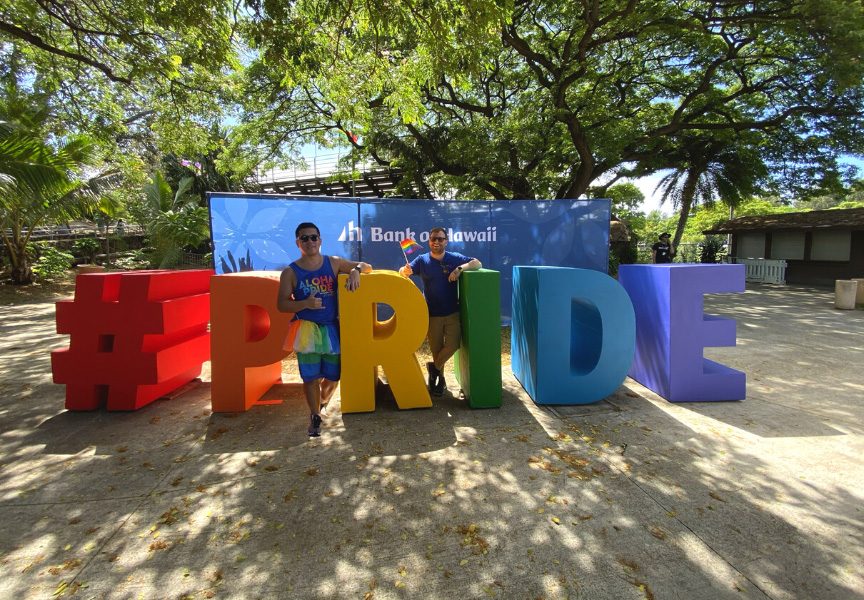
(847, 196)
(710, 249)
(626, 198)
(132, 74)
(650, 227)
(134, 261)
(87, 247)
(543, 99)
(849, 204)
(187, 227)
(706, 169)
(51, 262)
(704, 218)
(118, 244)
(39, 175)
(177, 222)
(475, 99)
(614, 262)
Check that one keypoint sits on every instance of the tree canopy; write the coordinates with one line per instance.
(483, 98)
(544, 99)
(132, 74)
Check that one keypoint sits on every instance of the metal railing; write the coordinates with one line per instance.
(63, 232)
(320, 166)
(189, 260)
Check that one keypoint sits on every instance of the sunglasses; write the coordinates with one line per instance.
(306, 238)
(437, 239)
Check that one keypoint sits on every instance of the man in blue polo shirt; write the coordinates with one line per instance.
(439, 271)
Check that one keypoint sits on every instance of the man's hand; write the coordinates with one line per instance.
(406, 271)
(353, 281)
(313, 302)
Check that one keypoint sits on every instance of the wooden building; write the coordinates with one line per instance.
(819, 246)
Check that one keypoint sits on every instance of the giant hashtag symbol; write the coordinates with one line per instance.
(134, 337)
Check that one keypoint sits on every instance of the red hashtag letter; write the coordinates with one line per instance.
(134, 337)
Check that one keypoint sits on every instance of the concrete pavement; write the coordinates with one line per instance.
(631, 497)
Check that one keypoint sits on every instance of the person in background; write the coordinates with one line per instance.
(439, 271)
(662, 252)
(308, 288)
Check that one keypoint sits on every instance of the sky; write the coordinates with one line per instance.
(647, 186)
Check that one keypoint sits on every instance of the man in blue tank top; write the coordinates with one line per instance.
(439, 271)
(308, 288)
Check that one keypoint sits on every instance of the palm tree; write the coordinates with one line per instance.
(38, 180)
(178, 222)
(706, 169)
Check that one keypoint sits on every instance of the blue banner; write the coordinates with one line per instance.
(256, 232)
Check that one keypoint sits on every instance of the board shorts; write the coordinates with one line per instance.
(317, 348)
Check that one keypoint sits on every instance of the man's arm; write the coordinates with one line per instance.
(471, 265)
(353, 269)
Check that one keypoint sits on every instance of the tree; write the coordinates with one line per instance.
(542, 99)
(851, 193)
(39, 179)
(487, 98)
(626, 198)
(728, 170)
(137, 76)
(177, 221)
(704, 217)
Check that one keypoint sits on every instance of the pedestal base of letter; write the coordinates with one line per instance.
(478, 360)
(368, 343)
(572, 337)
(672, 330)
(248, 335)
(134, 337)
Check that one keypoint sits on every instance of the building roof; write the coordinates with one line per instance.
(850, 218)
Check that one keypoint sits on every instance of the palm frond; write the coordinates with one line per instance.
(158, 193)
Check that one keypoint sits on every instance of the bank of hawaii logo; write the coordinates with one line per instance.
(350, 233)
(353, 233)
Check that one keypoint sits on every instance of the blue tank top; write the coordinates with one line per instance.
(323, 281)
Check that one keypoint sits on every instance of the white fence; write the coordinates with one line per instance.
(762, 270)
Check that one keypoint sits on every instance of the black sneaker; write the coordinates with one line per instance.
(440, 385)
(315, 427)
(434, 373)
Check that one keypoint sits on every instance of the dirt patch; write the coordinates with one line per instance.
(58, 288)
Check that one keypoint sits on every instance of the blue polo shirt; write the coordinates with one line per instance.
(442, 296)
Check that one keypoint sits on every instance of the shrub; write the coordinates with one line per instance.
(52, 262)
(118, 244)
(133, 261)
(88, 247)
(710, 249)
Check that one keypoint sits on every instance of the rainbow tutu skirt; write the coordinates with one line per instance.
(307, 337)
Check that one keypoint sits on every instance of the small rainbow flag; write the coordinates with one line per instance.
(409, 246)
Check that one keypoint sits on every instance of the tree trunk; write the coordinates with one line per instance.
(22, 274)
(688, 191)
